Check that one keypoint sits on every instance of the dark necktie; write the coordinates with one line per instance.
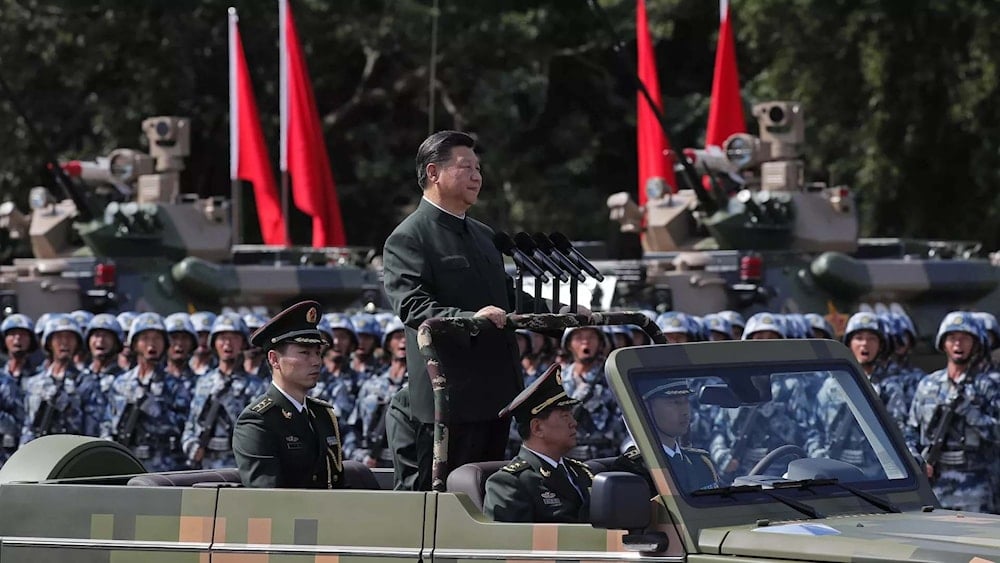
(561, 474)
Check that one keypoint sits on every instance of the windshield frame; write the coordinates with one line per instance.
(881, 427)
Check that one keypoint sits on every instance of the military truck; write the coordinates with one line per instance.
(126, 237)
(756, 235)
(82, 499)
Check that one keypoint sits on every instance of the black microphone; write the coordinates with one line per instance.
(528, 246)
(566, 247)
(505, 244)
(570, 267)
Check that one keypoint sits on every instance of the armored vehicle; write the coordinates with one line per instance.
(79, 499)
(752, 234)
(126, 237)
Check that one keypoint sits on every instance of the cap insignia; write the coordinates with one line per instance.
(312, 315)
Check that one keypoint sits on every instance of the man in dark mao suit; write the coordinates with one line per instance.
(440, 263)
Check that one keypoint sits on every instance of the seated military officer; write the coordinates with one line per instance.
(540, 485)
(285, 438)
(670, 409)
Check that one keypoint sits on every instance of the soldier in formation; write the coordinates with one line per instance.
(954, 421)
(147, 407)
(598, 416)
(367, 422)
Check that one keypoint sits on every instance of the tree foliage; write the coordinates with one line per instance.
(897, 96)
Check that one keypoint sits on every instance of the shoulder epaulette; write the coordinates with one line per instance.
(262, 406)
(698, 451)
(319, 402)
(516, 466)
(581, 465)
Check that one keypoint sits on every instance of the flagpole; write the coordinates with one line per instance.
(432, 75)
(236, 200)
(283, 113)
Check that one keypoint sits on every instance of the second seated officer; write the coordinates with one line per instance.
(286, 439)
(540, 484)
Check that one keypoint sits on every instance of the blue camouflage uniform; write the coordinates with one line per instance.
(11, 415)
(233, 393)
(965, 474)
(600, 430)
(152, 434)
(95, 386)
(367, 422)
(52, 403)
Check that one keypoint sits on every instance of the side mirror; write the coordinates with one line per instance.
(620, 501)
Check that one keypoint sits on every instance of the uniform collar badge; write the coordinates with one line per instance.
(332, 441)
(545, 472)
(286, 414)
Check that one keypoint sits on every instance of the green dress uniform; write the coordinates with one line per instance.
(530, 488)
(276, 444)
(692, 468)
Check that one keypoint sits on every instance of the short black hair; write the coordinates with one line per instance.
(437, 148)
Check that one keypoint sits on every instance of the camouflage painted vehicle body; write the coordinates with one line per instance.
(127, 238)
(100, 519)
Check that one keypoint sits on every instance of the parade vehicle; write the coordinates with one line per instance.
(120, 234)
(81, 499)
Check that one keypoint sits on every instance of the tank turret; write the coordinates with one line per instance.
(127, 236)
(759, 197)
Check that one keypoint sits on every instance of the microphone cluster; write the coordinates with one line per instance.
(541, 256)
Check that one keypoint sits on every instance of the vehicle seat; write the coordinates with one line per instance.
(601, 464)
(185, 478)
(358, 476)
(471, 479)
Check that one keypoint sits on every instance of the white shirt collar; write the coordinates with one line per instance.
(671, 452)
(298, 406)
(544, 457)
(462, 216)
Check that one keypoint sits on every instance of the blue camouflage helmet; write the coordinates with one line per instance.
(764, 321)
(342, 322)
(394, 325)
(870, 322)
(904, 325)
(890, 329)
(125, 319)
(180, 322)
(818, 322)
(527, 336)
(21, 321)
(698, 330)
(324, 327)
(203, 321)
(254, 321)
(717, 323)
(82, 317)
(108, 322)
(61, 323)
(228, 322)
(366, 323)
(734, 318)
(650, 314)
(990, 325)
(675, 322)
(958, 321)
(603, 337)
(146, 322)
(40, 324)
(384, 318)
(797, 325)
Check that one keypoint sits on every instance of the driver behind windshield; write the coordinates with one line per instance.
(670, 409)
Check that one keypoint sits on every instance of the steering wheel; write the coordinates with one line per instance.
(776, 454)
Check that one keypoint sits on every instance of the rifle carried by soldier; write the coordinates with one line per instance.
(739, 449)
(941, 423)
(374, 439)
(842, 424)
(208, 421)
(125, 434)
(44, 418)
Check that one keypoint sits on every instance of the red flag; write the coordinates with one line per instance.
(725, 116)
(249, 160)
(304, 150)
(652, 141)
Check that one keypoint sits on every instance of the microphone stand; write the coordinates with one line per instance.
(555, 295)
(519, 291)
(538, 294)
(572, 295)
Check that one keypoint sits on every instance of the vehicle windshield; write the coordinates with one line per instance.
(767, 426)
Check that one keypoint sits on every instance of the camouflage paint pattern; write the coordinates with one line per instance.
(434, 330)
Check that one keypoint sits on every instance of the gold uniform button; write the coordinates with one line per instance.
(314, 478)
